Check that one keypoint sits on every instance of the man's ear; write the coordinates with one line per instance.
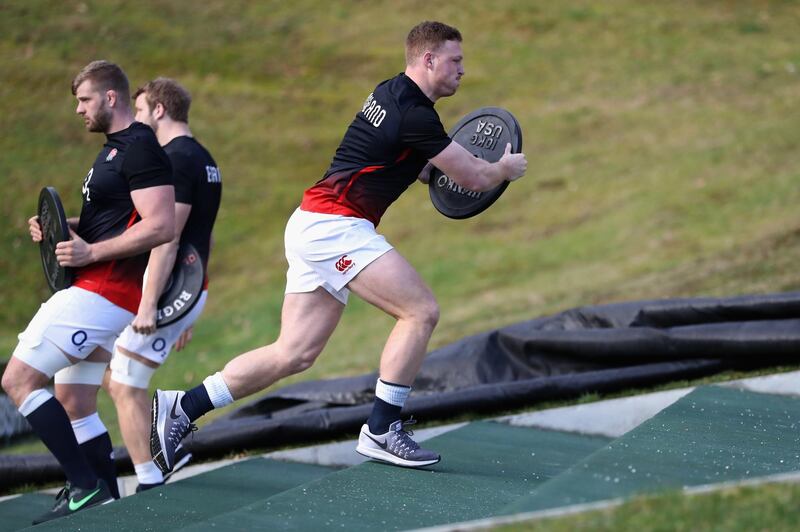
(159, 110)
(427, 59)
(111, 97)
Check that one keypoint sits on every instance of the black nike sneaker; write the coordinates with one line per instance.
(395, 447)
(144, 487)
(73, 499)
(169, 427)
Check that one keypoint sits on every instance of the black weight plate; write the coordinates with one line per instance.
(184, 286)
(484, 133)
(54, 230)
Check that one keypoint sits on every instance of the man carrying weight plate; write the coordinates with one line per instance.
(163, 104)
(128, 209)
(332, 248)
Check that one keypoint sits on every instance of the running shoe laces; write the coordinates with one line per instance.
(402, 444)
(63, 494)
(179, 430)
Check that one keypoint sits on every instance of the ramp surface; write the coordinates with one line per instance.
(18, 512)
(175, 505)
(484, 467)
(712, 435)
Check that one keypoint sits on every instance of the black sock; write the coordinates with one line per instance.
(100, 455)
(383, 414)
(196, 402)
(51, 424)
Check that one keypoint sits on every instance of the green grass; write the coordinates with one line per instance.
(768, 507)
(662, 143)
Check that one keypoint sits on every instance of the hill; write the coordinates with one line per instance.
(661, 137)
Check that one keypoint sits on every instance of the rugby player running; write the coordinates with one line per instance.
(163, 104)
(332, 248)
(128, 208)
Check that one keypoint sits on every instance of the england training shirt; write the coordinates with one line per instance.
(198, 183)
(383, 151)
(131, 159)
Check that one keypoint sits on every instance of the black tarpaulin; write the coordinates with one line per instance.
(600, 348)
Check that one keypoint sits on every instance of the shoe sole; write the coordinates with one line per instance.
(156, 449)
(383, 456)
(178, 466)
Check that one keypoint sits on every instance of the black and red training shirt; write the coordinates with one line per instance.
(131, 159)
(383, 151)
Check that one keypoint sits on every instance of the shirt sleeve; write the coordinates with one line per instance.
(146, 165)
(422, 130)
(182, 172)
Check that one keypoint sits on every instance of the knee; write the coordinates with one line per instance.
(433, 315)
(118, 391)
(300, 362)
(78, 405)
(129, 377)
(427, 313)
(8, 382)
(16, 384)
(71, 405)
(297, 359)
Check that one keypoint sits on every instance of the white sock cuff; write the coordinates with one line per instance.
(34, 400)
(217, 390)
(148, 473)
(88, 427)
(392, 393)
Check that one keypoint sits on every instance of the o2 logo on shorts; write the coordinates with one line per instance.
(158, 345)
(79, 338)
(344, 264)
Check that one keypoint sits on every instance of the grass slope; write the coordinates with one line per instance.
(768, 507)
(661, 137)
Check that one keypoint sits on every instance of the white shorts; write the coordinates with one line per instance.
(156, 347)
(329, 250)
(74, 320)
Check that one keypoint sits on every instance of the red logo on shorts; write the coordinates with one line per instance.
(344, 264)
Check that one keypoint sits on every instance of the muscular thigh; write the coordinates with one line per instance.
(308, 319)
(393, 285)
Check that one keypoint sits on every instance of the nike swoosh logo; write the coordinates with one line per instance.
(382, 444)
(172, 414)
(77, 505)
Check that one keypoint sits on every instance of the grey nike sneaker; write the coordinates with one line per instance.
(395, 447)
(182, 458)
(170, 426)
(72, 499)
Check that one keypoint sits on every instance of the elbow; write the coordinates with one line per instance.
(164, 232)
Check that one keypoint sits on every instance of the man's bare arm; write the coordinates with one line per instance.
(155, 206)
(162, 260)
(476, 174)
